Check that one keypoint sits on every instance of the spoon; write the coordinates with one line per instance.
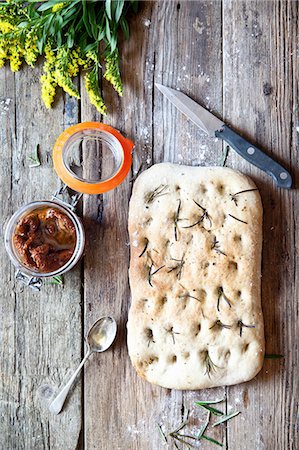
(99, 338)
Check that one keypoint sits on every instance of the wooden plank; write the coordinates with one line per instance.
(121, 410)
(261, 99)
(40, 332)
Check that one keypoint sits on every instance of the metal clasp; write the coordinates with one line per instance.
(34, 283)
(74, 199)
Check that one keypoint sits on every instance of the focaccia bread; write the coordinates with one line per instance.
(195, 272)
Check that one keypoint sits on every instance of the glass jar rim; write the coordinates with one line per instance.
(101, 135)
(95, 187)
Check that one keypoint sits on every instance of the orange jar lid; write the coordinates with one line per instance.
(92, 157)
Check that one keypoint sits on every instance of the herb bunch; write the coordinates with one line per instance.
(71, 35)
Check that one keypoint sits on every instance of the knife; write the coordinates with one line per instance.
(214, 127)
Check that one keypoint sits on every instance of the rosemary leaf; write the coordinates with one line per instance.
(35, 160)
(214, 411)
(207, 438)
(204, 427)
(209, 402)
(226, 418)
(224, 156)
(162, 434)
(57, 279)
(273, 356)
(144, 250)
(239, 220)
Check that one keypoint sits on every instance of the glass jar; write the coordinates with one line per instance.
(31, 276)
(90, 158)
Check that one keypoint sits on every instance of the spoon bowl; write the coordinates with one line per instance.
(101, 334)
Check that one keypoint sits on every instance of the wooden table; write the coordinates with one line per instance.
(240, 58)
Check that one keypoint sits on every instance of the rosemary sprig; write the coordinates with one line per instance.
(158, 192)
(215, 246)
(35, 160)
(151, 274)
(222, 294)
(224, 156)
(172, 333)
(226, 418)
(207, 438)
(241, 325)
(162, 434)
(239, 220)
(145, 247)
(210, 366)
(150, 337)
(233, 197)
(273, 356)
(205, 215)
(178, 267)
(218, 323)
(57, 279)
(132, 180)
(188, 295)
(176, 220)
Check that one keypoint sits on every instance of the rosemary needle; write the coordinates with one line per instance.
(162, 434)
(273, 356)
(57, 279)
(35, 161)
(239, 220)
(214, 411)
(226, 418)
(207, 438)
(205, 426)
(209, 402)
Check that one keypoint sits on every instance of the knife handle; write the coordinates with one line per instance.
(256, 157)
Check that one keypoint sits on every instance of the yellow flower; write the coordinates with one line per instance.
(112, 73)
(61, 72)
(15, 56)
(3, 54)
(48, 89)
(6, 27)
(47, 80)
(58, 6)
(92, 88)
(31, 50)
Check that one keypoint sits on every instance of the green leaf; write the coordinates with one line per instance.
(108, 31)
(119, 10)
(86, 18)
(226, 418)
(70, 39)
(273, 356)
(47, 5)
(125, 27)
(101, 34)
(108, 8)
(113, 43)
(59, 39)
(207, 438)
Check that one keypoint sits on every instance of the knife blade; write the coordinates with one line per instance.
(215, 127)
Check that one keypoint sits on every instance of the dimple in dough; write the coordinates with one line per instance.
(195, 319)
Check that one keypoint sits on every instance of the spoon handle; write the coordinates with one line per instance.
(57, 404)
